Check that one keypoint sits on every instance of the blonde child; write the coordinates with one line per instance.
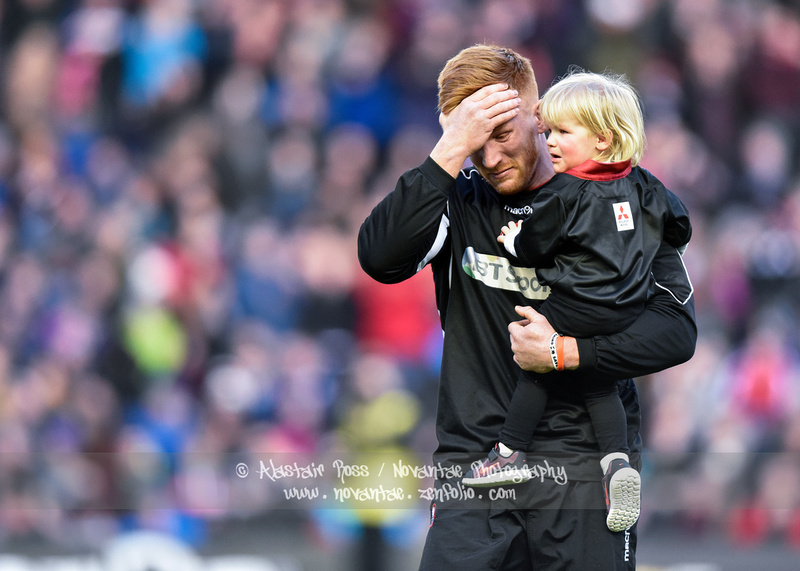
(592, 236)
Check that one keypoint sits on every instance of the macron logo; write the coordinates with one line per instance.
(622, 213)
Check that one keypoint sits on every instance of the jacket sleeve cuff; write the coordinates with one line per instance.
(587, 353)
(440, 178)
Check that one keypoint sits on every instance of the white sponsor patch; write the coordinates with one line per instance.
(622, 213)
(497, 272)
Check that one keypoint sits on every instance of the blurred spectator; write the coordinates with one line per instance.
(163, 47)
(180, 187)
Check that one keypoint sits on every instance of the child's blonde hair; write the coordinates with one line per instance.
(603, 103)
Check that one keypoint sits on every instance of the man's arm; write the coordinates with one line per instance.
(406, 229)
(664, 335)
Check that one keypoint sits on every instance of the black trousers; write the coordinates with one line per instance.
(566, 533)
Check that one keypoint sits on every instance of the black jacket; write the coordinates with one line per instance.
(592, 236)
(453, 224)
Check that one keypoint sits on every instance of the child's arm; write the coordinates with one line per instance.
(664, 335)
(508, 235)
(536, 242)
(677, 227)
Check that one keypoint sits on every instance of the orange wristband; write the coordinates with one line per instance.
(560, 352)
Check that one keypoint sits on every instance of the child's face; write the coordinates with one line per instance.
(571, 144)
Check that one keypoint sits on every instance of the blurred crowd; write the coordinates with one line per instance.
(181, 183)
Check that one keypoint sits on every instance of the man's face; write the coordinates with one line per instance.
(509, 159)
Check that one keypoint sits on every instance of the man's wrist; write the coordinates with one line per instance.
(555, 358)
(449, 158)
(564, 352)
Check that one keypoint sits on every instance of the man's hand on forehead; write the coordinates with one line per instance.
(485, 109)
(476, 117)
(471, 123)
(497, 98)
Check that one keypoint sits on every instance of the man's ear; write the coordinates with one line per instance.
(540, 128)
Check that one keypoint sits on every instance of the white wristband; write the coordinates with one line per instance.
(553, 352)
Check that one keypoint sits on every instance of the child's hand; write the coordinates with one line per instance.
(509, 232)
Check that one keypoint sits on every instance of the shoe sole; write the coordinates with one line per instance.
(624, 499)
(504, 477)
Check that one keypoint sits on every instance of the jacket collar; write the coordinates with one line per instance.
(594, 170)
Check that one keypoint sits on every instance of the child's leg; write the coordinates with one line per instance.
(622, 484)
(506, 463)
(524, 412)
(608, 419)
